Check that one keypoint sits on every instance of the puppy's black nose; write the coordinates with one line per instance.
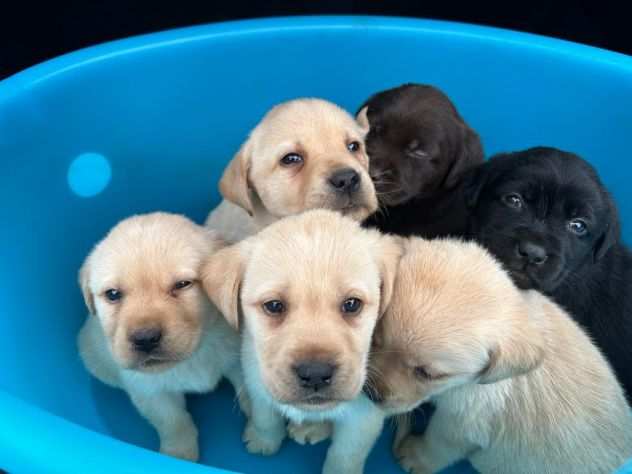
(314, 374)
(146, 339)
(531, 252)
(345, 180)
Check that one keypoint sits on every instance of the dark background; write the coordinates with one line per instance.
(31, 32)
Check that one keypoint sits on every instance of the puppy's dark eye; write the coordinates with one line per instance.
(113, 295)
(292, 159)
(182, 284)
(422, 373)
(274, 307)
(351, 306)
(353, 146)
(578, 226)
(513, 200)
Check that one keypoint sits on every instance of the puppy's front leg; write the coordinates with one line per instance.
(353, 438)
(432, 451)
(265, 430)
(167, 412)
(309, 432)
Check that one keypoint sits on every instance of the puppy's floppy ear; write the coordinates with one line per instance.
(389, 252)
(474, 181)
(468, 155)
(222, 275)
(234, 185)
(363, 119)
(610, 235)
(84, 283)
(519, 351)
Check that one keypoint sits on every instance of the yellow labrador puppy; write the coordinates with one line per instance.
(307, 292)
(518, 387)
(151, 329)
(304, 154)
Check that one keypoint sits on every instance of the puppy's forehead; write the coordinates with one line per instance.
(447, 289)
(152, 247)
(308, 119)
(573, 187)
(314, 251)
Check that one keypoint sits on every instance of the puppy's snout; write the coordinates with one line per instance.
(531, 252)
(146, 339)
(314, 374)
(345, 180)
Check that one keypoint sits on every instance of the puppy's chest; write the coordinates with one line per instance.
(351, 410)
(188, 376)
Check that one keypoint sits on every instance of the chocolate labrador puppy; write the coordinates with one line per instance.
(548, 218)
(418, 147)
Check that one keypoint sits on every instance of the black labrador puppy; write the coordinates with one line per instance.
(546, 215)
(419, 147)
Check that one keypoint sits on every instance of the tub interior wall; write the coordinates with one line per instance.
(168, 119)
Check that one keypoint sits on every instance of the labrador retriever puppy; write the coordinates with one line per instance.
(547, 217)
(307, 292)
(518, 386)
(304, 154)
(419, 147)
(151, 329)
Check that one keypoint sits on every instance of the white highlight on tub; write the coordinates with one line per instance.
(89, 174)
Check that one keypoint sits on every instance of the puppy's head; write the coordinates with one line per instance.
(142, 282)
(417, 142)
(304, 154)
(455, 318)
(310, 289)
(543, 213)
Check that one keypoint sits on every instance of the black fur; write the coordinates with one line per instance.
(591, 274)
(419, 147)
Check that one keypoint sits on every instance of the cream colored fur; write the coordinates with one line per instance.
(312, 262)
(259, 190)
(518, 387)
(143, 256)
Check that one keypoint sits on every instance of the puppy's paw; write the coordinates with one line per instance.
(264, 443)
(187, 450)
(182, 442)
(309, 432)
(407, 453)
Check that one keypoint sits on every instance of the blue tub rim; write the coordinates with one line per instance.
(67, 62)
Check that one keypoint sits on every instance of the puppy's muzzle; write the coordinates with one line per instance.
(145, 340)
(314, 375)
(345, 181)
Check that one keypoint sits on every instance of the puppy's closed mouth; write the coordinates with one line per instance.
(156, 363)
(318, 402)
(349, 208)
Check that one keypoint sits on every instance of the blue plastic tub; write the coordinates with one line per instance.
(148, 123)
